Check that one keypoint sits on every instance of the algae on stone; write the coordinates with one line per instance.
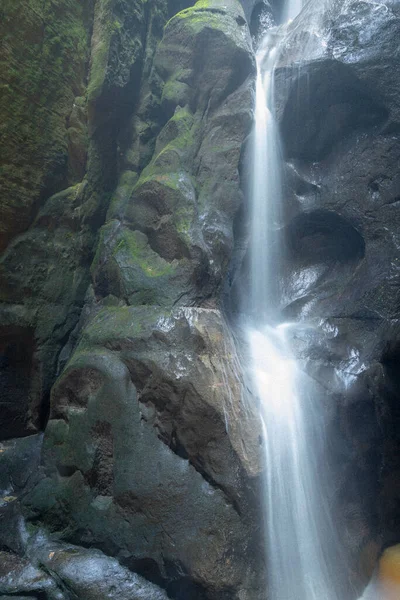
(45, 50)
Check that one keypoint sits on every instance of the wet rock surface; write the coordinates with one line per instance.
(63, 138)
(149, 454)
(168, 237)
(68, 571)
(136, 455)
(339, 121)
(113, 266)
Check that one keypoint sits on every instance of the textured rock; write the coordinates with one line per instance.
(70, 572)
(137, 435)
(3, 597)
(18, 575)
(75, 122)
(44, 275)
(138, 458)
(342, 269)
(144, 141)
(19, 464)
(169, 238)
(90, 575)
(44, 59)
(339, 119)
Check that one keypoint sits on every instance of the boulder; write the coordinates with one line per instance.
(90, 575)
(148, 428)
(71, 572)
(19, 576)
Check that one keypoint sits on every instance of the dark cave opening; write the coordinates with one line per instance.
(17, 380)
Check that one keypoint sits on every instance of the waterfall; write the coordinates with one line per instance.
(291, 9)
(304, 558)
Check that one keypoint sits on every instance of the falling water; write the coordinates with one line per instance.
(303, 555)
(266, 186)
(291, 9)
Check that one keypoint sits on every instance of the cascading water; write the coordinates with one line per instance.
(303, 553)
(291, 9)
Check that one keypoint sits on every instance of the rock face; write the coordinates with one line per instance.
(87, 574)
(137, 460)
(168, 236)
(111, 273)
(44, 62)
(129, 461)
(338, 111)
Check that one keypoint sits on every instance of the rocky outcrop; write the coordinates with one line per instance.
(338, 111)
(137, 458)
(44, 61)
(149, 453)
(66, 569)
(121, 213)
(168, 237)
(75, 78)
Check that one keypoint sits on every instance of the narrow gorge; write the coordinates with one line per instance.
(200, 296)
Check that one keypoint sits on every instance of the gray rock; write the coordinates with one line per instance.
(169, 235)
(337, 103)
(342, 270)
(18, 576)
(19, 464)
(137, 459)
(71, 572)
(90, 575)
(17, 597)
(149, 452)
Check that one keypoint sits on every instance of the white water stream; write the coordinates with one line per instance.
(304, 561)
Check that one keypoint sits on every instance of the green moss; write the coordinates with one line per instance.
(150, 175)
(102, 34)
(183, 220)
(183, 116)
(181, 143)
(113, 323)
(43, 66)
(99, 252)
(98, 69)
(175, 155)
(175, 92)
(135, 245)
(132, 270)
(116, 43)
(204, 12)
(61, 204)
(122, 195)
(186, 129)
(109, 323)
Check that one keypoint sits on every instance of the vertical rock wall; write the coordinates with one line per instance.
(110, 279)
(338, 111)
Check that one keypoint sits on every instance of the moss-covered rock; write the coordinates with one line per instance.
(44, 274)
(45, 51)
(137, 458)
(185, 199)
(218, 59)
(127, 267)
(137, 435)
(71, 75)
